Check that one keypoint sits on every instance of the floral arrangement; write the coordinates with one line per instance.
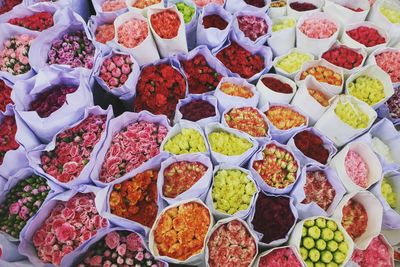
(8, 5)
(285, 118)
(344, 57)
(302, 6)
(393, 105)
(8, 129)
(319, 96)
(312, 146)
(255, 3)
(197, 110)
(318, 189)
(113, 5)
(187, 141)
(324, 75)
(283, 24)
(389, 193)
(318, 28)
(14, 55)
(351, 114)
(105, 33)
(355, 218)
(38, 22)
(5, 96)
(133, 32)
(202, 3)
(115, 70)
(228, 144)
(277, 85)
(292, 62)
(390, 13)
(214, 21)
(389, 61)
(367, 36)
(253, 27)
(141, 4)
(356, 168)
(376, 254)
(236, 90)
(186, 10)
(248, 120)
(280, 257)
(166, 24)
(367, 89)
(278, 3)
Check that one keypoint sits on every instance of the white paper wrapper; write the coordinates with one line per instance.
(234, 6)
(391, 217)
(313, 209)
(127, 90)
(203, 122)
(377, 17)
(268, 95)
(277, 12)
(368, 156)
(146, 52)
(372, 60)
(143, 11)
(347, 40)
(313, 45)
(282, 72)
(337, 130)
(198, 189)
(295, 238)
(297, 14)
(226, 221)
(168, 47)
(13, 161)
(259, 180)
(226, 101)
(213, 37)
(78, 6)
(277, 242)
(243, 214)
(295, 251)
(103, 196)
(374, 72)
(94, 22)
(333, 89)
(279, 135)
(196, 259)
(97, 4)
(308, 104)
(219, 158)
(27, 91)
(374, 211)
(281, 42)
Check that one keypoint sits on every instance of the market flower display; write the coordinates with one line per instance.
(113, 5)
(389, 61)
(105, 33)
(14, 55)
(67, 227)
(256, 3)
(285, 118)
(302, 6)
(8, 5)
(280, 257)
(319, 96)
(355, 218)
(356, 168)
(382, 149)
(278, 168)
(283, 24)
(232, 191)
(187, 141)
(136, 198)
(393, 105)
(317, 28)
(38, 22)
(130, 148)
(279, 3)
(202, 3)
(351, 114)
(367, 36)
(277, 85)
(158, 89)
(5, 96)
(231, 244)
(318, 189)
(196, 110)
(293, 61)
(228, 144)
(323, 74)
(392, 14)
(312, 146)
(214, 21)
(180, 231)
(253, 27)
(186, 10)
(51, 100)
(119, 248)
(323, 242)
(344, 57)
(73, 149)
(236, 90)
(132, 33)
(239, 60)
(248, 120)
(273, 217)
(141, 4)
(367, 89)
(21, 203)
(181, 176)
(201, 77)
(376, 254)
(389, 193)
(8, 129)
(73, 49)
(166, 24)
(115, 70)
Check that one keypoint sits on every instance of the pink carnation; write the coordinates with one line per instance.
(317, 28)
(356, 168)
(133, 32)
(112, 240)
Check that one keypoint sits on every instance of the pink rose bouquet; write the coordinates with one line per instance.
(14, 55)
(389, 61)
(115, 70)
(133, 32)
(318, 28)
(113, 5)
(105, 33)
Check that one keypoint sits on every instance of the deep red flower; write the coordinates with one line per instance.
(8, 129)
(214, 21)
(344, 57)
(8, 5)
(197, 110)
(277, 86)
(312, 146)
(302, 6)
(5, 95)
(367, 36)
(37, 22)
(256, 3)
(166, 24)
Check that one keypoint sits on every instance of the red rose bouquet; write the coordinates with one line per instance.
(115, 70)
(214, 21)
(38, 22)
(6, 6)
(366, 36)
(343, 56)
(166, 24)
(8, 129)
(312, 146)
(5, 96)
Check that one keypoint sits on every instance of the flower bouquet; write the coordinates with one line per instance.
(189, 220)
(229, 145)
(232, 193)
(357, 166)
(287, 256)
(142, 6)
(63, 225)
(51, 100)
(236, 92)
(388, 59)
(347, 11)
(260, 6)
(131, 140)
(168, 28)
(188, 9)
(283, 35)
(102, 29)
(184, 176)
(275, 168)
(385, 14)
(278, 8)
(345, 119)
(213, 26)
(77, 6)
(5, 95)
(7, 6)
(202, 3)
(202, 109)
(297, 9)
(361, 217)
(290, 64)
(275, 88)
(133, 36)
(109, 6)
(231, 243)
(70, 156)
(391, 109)
(318, 191)
(272, 219)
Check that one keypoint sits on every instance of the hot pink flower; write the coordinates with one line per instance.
(121, 249)
(134, 242)
(14, 208)
(133, 32)
(65, 232)
(96, 261)
(112, 240)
